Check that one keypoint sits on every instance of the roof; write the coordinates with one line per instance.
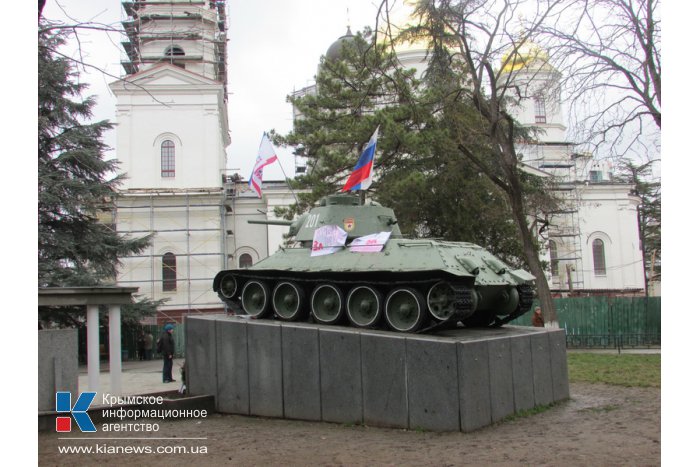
(72, 296)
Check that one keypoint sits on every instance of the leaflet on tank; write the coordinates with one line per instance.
(328, 239)
(372, 243)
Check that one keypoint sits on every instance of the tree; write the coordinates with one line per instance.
(75, 183)
(611, 50)
(417, 170)
(479, 34)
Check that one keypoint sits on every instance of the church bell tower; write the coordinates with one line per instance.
(172, 134)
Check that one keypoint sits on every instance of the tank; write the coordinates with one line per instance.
(350, 265)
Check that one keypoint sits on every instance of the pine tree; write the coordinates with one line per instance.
(75, 185)
(419, 171)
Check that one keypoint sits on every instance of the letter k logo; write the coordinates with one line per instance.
(79, 411)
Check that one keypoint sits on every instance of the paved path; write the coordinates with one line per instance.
(138, 377)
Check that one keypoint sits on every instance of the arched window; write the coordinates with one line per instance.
(169, 272)
(245, 261)
(167, 159)
(553, 258)
(598, 257)
(174, 51)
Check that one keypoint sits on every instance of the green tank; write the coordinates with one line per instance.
(369, 281)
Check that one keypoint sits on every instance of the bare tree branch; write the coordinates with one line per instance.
(611, 52)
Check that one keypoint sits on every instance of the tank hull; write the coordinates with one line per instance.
(408, 286)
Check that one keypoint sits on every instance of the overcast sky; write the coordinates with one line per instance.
(274, 48)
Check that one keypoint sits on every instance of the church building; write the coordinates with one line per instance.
(591, 240)
(172, 133)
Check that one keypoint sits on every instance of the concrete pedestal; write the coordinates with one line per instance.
(459, 379)
(58, 365)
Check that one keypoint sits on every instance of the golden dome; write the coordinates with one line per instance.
(401, 18)
(527, 53)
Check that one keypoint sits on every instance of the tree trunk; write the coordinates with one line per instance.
(549, 312)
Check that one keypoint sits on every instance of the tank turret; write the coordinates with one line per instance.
(353, 266)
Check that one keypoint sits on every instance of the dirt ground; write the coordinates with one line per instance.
(599, 425)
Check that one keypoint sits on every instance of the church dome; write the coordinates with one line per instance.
(526, 54)
(336, 47)
(402, 19)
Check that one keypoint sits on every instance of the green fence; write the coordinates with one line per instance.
(607, 322)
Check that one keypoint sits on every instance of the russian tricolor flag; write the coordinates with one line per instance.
(361, 176)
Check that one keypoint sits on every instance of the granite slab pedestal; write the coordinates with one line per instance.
(455, 380)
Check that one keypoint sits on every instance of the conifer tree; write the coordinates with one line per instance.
(76, 184)
(419, 171)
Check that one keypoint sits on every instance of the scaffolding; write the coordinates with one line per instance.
(564, 230)
(559, 160)
(199, 26)
(146, 212)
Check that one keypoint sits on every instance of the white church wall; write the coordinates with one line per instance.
(190, 122)
(248, 238)
(608, 213)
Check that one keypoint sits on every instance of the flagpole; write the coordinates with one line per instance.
(287, 180)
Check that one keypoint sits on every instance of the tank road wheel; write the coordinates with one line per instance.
(508, 301)
(364, 305)
(441, 301)
(327, 304)
(255, 298)
(288, 301)
(228, 286)
(405, 310)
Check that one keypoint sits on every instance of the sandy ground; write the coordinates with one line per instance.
(599, 426)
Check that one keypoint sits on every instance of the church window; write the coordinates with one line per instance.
(167, 159)
(169, 272)
(245, 261)
(540, 110)
(174, 51)
(598, 257)
(553, 258)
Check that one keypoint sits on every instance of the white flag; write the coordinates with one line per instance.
(266, 156)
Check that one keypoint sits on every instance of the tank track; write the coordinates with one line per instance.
(527, 296)
(463, 296)
(463, 308)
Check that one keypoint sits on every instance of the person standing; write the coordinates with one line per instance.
(140, 346)
(167, 348)
(537, 319)
(148, 345)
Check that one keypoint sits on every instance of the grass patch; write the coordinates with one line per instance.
(622, 370)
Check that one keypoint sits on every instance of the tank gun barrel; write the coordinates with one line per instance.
(286, 223)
